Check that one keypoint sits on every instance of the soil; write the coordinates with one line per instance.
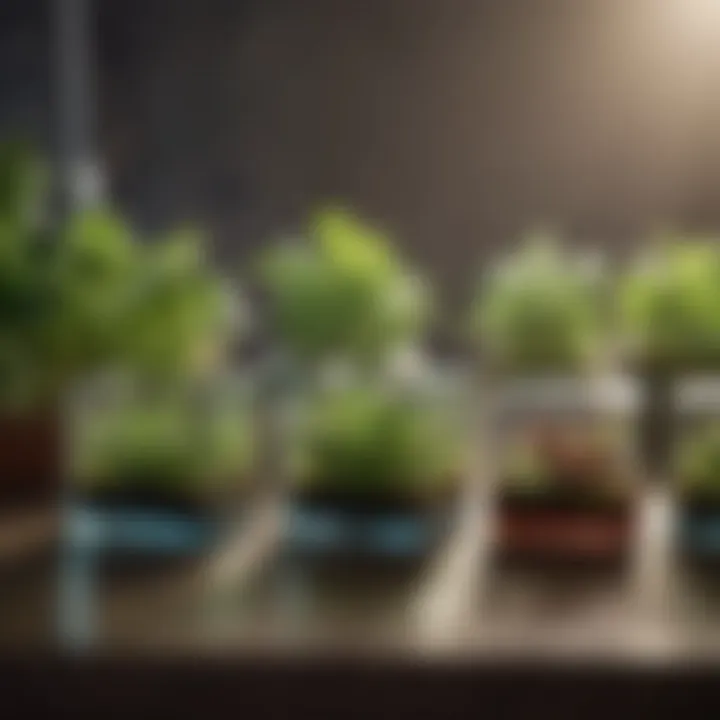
(571, 534)
(359, 505)
(148, 499)
(565, 524)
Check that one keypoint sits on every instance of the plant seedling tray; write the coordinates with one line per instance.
(561, 529)
(320, 524)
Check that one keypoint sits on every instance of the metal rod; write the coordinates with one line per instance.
(78, 185)
(79, 179)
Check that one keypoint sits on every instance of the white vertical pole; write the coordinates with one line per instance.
(80, 181)
(78, 186)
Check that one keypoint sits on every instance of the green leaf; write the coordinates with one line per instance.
(166, 440)
(342, 291)
(697, 462)
(540, 307)
(23, 184)
(670, 302)
(366, 438)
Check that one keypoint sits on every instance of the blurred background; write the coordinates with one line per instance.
(455, 126)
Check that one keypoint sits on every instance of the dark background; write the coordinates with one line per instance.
(455, 123)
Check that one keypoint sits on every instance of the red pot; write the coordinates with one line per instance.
(580, 534)
(30, 457)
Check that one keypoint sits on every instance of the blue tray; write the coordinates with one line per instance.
(92, 533)
(699, 535)
(318, 530)
(138, 530)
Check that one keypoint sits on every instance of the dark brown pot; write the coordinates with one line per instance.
(550, 531)
(30, 457)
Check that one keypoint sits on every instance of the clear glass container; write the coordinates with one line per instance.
(156, 473)
(353, 565)
(564, 464)
(375, 461)
(695, 468)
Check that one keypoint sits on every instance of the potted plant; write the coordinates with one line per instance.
(84, 297)
(174, 456)
(697, 491)
(374, 467)
(540, 310)
(340, 296)
(29, 438)
(542, 320)
(670, 319)
(564, 495)
(169, 402)
(372, 461)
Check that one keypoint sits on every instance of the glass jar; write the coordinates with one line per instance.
(565, 466)
(159, 464)
(374, 460)
(695, 469)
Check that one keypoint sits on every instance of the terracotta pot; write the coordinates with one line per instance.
(30, 457)
(564, 531)
(578, 534)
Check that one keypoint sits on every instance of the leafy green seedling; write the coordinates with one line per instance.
(165, 444)
(698, 464)
(342, 292)
(372, 440)
(670, 304)
(540, 308)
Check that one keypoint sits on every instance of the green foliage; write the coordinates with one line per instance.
(670, 303)
(93, 294)
(540, 309)
(697, 463)
(343, 291)
(27, 298)
(164, 443)
(154, 306)
(178, 314)
(23, 185)
(95, 265)
(372, 440)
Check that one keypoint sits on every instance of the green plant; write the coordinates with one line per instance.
(179, 315)
(697, 463)
(163, 443)
(27, 297)
(343, 291)
(564, 459)
(540, 308)
(670, 303)
(92, 294)
(95, 265)
(370, 440)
